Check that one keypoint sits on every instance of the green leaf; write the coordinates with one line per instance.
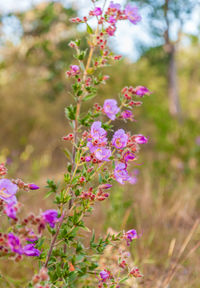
(89, 29)
(77, 157)
(89, 96)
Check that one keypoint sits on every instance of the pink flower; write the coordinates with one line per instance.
(112, 20)
(130, 235)
(105, 186)
(16, 246)
(102, 154)
(33, 186)
(127, 114)
(132, 14)
(50, 217)
(30, 250)
(11, 211)
(128, 156)
(97, 137)
(120, 139)
(110, 108)
(97, 11)
(8, 191)
(74, 70)
(140, 139)
(14, 243)
(98, 133)
(104, 274)
(87, 158)
(133, 180)
(120, 173)
(116, 6)
(141, 91)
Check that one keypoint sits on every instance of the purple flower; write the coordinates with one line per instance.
(140, 139)
(110, 108)
(102, 154)
(128, 156)
(14, 243)
(113, 5)
(97, 136)
(120, 173)
(30, 250)
(8, 191)
(97, 11)
(11, 211)
(104, 275)
(132, 14)
(98, 133)
(31, 237)
(33, 186)
(198, 140)
(87, 158)
(141, 91)
(120, 139)
(132, 180)
(105, 186)
(112, 20)
(16, 247)
(50, 217)
(127, 114)
(130, 235)
(75, 68)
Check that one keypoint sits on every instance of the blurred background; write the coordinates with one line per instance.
(163, 53)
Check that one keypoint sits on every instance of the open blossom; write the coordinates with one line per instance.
(97, 11)
(74, 70)
(11, 210)
(8, 191)
(120, 139)
(110, 108)
(112, 20)
(140, 139)
(102, 154)
(97, 137)
(120, 173)
(30, 250)
(15, 245)
(98, 133)
(128, 156)
(133, 180)
(130, 235)
(127, 114)
(132, 13)
(141, 91)
(50, 217)
(104, 274)
(115, 6)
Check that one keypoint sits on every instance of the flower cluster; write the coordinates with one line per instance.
(102, 152)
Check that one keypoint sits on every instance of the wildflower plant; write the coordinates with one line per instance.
(97, 160)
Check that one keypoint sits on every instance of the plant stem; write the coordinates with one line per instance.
(54, 240)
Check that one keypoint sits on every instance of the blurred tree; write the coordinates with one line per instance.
(166, 21)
